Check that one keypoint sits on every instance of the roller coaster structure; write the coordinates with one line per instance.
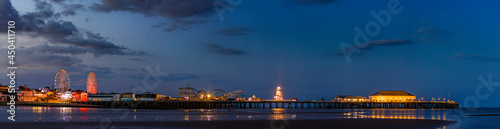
(189, 93)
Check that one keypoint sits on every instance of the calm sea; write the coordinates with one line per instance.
(60, 114)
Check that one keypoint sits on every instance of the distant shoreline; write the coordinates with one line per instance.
(244, 124)
(71, 105)
(53, 104)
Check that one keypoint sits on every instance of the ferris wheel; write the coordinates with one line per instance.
(91, 83)
(62, 81)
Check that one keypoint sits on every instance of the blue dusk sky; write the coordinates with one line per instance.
(427, 48)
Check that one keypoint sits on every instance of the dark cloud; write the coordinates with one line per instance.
(182, 14)
(70, 10)
(42, 57)
(180, 77)
(56, 29)
(432, 31)
(222, 50)
(234, 31)
(388, 42)
(371, 44)
(472, 57)
(46, 49)
(97, 44)
(71, 50)
(136, 59)
(58, 1)
(43, 23)
(88, 19)
(180, 24)
(41, 61)
(43, 9)
(313, 1)
(428, 33)
(8, 13)
(165, 8)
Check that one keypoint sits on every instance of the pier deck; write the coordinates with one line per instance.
(273, 104)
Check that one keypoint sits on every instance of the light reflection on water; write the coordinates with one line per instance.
(84, 109)
(398, 114)
(64, 113)
(42, 114)
(277, 114)
(95, 114)
(38, 109)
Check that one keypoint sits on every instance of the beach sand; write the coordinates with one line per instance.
(248, 124)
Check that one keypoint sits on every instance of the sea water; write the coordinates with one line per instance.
(466, 117)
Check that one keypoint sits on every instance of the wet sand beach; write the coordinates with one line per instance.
(247, 124)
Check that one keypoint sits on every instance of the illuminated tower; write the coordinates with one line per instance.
(279, 94)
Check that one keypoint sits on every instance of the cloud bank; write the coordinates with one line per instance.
(181, 14)
(473, 57)
(45, 23)
(307, 2)
(224, 51)
(234, 31)
(371, 44)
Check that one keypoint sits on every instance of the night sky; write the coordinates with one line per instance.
(429, 48)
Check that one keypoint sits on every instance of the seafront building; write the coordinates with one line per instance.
(104, 97)
(349, 98)
(79, 96)
(26, 94)
(254, 99)
(128, 97)
(392, 96)
(148, 97)
(4, 94)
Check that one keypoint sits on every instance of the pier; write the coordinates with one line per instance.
(272, 104)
